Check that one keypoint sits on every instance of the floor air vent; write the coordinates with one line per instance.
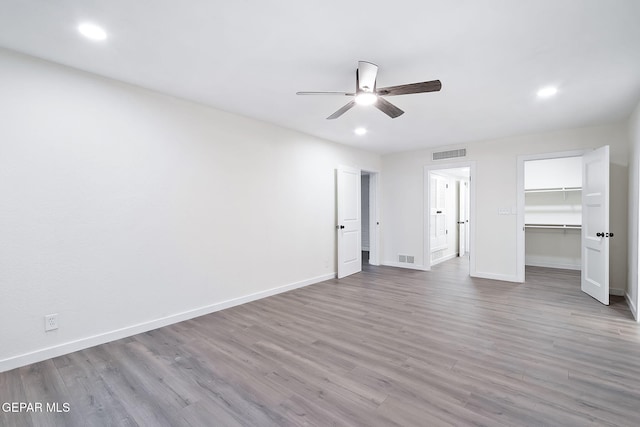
(450, 154)
(409, 259)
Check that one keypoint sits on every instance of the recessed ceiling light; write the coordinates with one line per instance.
(547, 92)
(360, 131)
(366, 98)
(92, 31)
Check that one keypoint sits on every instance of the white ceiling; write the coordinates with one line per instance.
(250, 57)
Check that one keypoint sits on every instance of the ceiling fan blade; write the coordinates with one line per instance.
(388, 108)
(367, 73)
(342, 110)
(326, 93)
(432, 86)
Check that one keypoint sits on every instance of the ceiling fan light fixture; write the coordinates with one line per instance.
(366, 98)
(547, 92)
(360, 131)
(92, 31)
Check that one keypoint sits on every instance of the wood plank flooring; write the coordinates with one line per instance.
(385, 347)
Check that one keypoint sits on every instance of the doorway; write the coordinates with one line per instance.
(549, 191)
(588, 213)
(553, 212)
(370, 223)
(349, 215)
(449, 215)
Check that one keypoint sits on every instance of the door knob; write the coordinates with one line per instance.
(599, 234)
(340, 226)
(609, 234)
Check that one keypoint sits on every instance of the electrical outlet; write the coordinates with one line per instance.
(50, 322)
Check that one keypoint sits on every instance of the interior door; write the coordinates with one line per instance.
(595, 224)
(462, 218)
(438, 222)
(349, 221)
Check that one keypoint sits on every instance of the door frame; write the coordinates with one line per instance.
(520, 232)
(426, 257)
(463, 196)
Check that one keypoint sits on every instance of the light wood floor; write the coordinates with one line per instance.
(385, 347)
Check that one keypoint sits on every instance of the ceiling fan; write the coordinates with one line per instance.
(367, 94)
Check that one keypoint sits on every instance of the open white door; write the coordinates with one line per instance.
(438, 224)
(462, 218)
(349, 221)
(595, 224)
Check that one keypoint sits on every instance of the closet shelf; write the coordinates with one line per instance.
(555, 226)
(552, 190)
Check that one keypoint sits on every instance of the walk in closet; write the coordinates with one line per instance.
(553, 212)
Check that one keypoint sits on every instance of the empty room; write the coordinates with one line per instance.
(281, 213)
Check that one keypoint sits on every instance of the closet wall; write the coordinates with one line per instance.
(553, 212)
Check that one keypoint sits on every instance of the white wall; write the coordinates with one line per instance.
(550, 248)
(123, 209)
(562, 172)
(496, 176)
(634, 201)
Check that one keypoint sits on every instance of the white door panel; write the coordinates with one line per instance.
(595, 224)
(349, 221)
(438, 223)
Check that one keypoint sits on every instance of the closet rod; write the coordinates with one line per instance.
(551, 190)
(555, 226)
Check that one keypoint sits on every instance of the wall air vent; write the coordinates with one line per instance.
(450, 154)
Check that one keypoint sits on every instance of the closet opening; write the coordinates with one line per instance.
(563, 216)
(553, 212)
(550, 211)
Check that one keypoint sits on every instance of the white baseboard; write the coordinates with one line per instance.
(616, 292)
(83, 343)
(632, 307)
(494, 276)
(443, 259)
(404, 265)
(551, 264)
